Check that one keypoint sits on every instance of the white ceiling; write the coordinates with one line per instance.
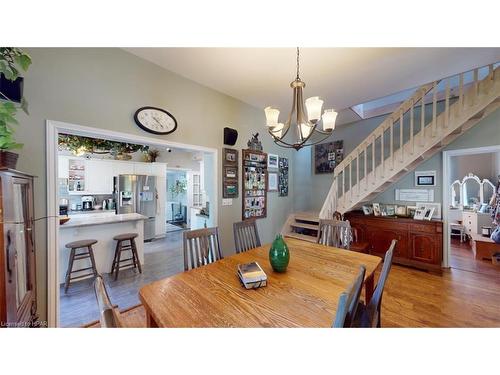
(342, 76)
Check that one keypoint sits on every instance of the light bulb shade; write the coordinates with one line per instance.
(272, 115)
(314, 106)
(277, 130)
(329, 118)
(305, 130)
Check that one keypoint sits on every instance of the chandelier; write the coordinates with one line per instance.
(305, 128)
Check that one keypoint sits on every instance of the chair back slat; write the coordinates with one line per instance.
(109, 316)
(246, 236)
(348, 302)
(201, 247)
(373, 307)
(335, 233)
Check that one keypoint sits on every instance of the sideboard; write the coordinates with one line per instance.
(420, 242)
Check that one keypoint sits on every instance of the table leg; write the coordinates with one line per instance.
(150, 322)
(369, 288)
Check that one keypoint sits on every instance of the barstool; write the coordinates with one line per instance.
(88, 253)
(121, 246)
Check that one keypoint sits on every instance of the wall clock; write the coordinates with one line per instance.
(155, 120)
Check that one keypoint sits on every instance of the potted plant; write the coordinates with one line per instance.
(12, 61)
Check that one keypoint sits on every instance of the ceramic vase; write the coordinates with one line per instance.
(279, 255)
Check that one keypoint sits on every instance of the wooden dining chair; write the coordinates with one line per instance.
(246, 236)
(201, 247)
(349, 301)
(368, 316)
(335, 233)
(109, 316)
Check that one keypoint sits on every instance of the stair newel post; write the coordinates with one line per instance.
(373, 159)
(434, 108)
(401, 133)
(422, 120)
(412, 139)
(391, 143)
(461, 91)
(447, 104)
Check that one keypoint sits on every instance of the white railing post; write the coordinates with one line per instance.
(461, 91)
(357, 172)
(422, 120)
(382, 162)
(434, 109)
(373, 159)
(476, 85)
(391, 144)
(366, 169)
(412, 139)
(447, 104)
(401, 133)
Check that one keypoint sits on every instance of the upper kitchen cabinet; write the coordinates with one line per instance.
(63, 167)
(99, 175)
(143, 168)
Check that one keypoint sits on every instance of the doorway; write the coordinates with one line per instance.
(54, 129)
(470, 177)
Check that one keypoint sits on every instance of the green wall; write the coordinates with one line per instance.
(102, 88)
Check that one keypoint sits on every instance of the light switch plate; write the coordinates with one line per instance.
(227, 201)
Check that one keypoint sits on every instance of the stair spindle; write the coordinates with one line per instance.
(391, 144)
(461, 91)
(366, 169)
(401, 127)
(412, 139)
(476, 84)
(350, 180)
(490, 71)
(373, 159)
(357, 171)
(447, 104)
(434, 109)
(422, 120)
(382, 161)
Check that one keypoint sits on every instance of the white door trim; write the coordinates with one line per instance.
(446, 165)
(53, 128)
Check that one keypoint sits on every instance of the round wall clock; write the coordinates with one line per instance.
(155, 120)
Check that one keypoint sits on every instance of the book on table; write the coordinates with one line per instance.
(251, 275)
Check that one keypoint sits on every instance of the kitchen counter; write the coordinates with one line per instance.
(101, 227)
(100, 218)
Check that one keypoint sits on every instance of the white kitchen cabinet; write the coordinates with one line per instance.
(99, 176)
(122, 167)
(63, 166)
(143, 168)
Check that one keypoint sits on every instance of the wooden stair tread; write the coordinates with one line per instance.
(304, 225)
(301, 237)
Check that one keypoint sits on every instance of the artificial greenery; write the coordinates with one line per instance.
(12, 62)
(80, 145)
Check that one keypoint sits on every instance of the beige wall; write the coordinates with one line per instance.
(102, 88)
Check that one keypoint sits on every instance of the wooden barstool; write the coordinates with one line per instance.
(121, 246)
(87, 253)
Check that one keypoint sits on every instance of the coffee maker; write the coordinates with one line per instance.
(88, 202)
(63, 207)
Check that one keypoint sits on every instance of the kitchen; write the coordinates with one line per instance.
(104, 194)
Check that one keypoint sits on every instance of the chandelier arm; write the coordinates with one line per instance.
(280, 141)
(324, 132)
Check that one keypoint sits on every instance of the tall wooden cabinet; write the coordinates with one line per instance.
(420, 242)
(17, 255)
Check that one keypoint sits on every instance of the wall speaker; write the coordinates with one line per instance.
(230, 136)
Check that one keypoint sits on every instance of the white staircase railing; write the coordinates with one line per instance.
(433, 115)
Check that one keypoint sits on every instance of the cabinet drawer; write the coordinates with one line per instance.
(423, 228)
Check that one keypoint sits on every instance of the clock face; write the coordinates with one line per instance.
(155, 120)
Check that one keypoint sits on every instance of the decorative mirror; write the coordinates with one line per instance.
(471, 191)
(488, 191)
(456, 194)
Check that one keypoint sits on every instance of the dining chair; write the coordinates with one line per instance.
(201, 247)
(109, 316)
(349, 301)
(335, 233)
(368, 316)
(246, 235)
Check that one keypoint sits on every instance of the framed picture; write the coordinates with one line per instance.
(390, 210)
(401, 211)
(367, 210)
(429, 211)
(272, 178)
(327, 156)
(425, 178)
(410, 211)
(230, 189)
(283, 177)
(231, 172)
(272, 161)
(376, 209)
(420, 213)
(230, 156)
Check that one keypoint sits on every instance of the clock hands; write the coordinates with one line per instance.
(159, 123)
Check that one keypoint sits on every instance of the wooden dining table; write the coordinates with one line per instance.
(306, 295)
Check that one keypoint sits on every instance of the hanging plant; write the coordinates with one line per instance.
(85, 145)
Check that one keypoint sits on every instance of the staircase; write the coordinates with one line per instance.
(406, 138)
(302, 225)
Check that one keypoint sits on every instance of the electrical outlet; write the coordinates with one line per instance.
(227, 201)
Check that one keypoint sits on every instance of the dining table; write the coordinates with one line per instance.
(306, 295)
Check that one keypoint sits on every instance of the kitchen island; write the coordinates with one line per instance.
(101, 227)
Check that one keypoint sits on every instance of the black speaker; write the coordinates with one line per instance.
(230, 136)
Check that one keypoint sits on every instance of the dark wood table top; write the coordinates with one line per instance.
(305, 295)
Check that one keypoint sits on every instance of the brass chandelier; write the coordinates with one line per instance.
(305, 130)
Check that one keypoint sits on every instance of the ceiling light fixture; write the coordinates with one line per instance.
(307, 132)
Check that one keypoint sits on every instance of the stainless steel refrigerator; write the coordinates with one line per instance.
(137, 193)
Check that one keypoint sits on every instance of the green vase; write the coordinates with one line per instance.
(279, 256)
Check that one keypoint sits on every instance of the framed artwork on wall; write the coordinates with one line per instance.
(229, 173)
(272, 161)
(230, 157)
(425, 178)
(327, 156)
(283, 177)
(272, 178)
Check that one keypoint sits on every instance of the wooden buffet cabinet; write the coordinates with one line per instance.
(17, 251)
(420, 242)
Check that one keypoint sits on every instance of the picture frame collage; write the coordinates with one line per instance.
(427, 211)
(230, 173)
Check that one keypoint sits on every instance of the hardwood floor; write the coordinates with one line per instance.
(162, 258)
